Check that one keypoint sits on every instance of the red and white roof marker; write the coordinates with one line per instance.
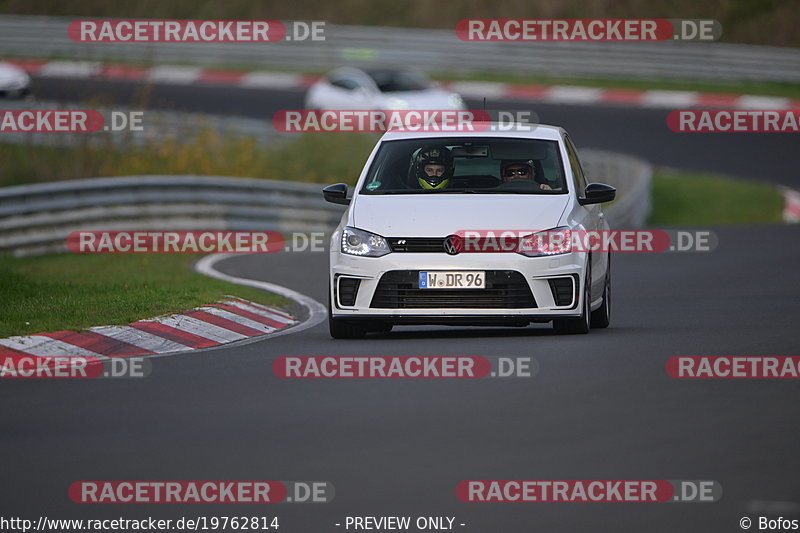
(226, 321)
(555, 94)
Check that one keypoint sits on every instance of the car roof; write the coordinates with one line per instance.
(484, 129)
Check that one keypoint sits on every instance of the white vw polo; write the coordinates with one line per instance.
(469, 228)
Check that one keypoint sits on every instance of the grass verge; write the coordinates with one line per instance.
(777, 89)
(73, 292)
(310, 158)
(690, 198)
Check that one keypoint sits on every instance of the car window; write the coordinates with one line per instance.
(476, 165)
(390, 81)
(345, 83)
(575, 165)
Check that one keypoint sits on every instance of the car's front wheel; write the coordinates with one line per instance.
(572, 326)
(601, 317)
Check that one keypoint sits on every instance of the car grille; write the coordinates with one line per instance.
(505, 289)
(417, 244)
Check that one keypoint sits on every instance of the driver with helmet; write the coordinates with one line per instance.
(433, 167)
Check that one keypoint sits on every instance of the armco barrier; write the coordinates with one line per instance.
(432, 50)
(36, 219)
(633, 179)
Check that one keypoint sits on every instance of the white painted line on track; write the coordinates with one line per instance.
(316, 311)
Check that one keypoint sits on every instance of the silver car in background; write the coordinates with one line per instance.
(379, 88)
(14, 82)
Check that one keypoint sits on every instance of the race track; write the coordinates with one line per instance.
(601, 406)
(637, 131)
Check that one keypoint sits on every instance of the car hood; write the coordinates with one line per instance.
(9, 72)
(427, 99)
(435, 215)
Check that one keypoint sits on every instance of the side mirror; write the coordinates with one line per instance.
(336, 194)
(598, 193)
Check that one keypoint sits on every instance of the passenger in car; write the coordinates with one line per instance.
(511, 170)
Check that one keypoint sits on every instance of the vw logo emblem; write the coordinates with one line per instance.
(453, 245)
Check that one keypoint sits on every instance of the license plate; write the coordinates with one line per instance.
(452, 280)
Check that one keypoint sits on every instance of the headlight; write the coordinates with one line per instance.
(363, 243)
(543, 243)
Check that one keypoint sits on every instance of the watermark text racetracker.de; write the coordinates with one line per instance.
(588, 490)
(566, 240)
(73, 367)
(202, 492)
(404, 367)
(734, 121)
(415, 120)
(733, 367)
(588, 30)
(69, 121)
(194, 31)
(182, 242)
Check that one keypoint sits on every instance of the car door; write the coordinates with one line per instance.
(593, 218)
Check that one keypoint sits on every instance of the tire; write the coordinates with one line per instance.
(601, 317)
(580, 325)
(340, 328)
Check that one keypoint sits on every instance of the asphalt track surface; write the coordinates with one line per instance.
(601, 406)
(764, 156)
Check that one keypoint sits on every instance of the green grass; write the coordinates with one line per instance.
(310, 158)
(785, 90)
(689, 198)
(73, 292)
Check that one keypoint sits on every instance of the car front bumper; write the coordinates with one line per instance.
(368, 299)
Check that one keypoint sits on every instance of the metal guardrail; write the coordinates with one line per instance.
(36, 219)
(432, 50)
(633, 179)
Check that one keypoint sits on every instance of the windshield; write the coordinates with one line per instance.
(390, 81)
(465, 165)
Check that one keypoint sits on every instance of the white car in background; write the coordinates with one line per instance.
(14, 82)
(384, 88)
(394, 257)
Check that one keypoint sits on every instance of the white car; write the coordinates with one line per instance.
(398, 255)
(396, 89)
(14, 82)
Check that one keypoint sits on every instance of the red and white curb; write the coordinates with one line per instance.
(168, 74)
(229, 320)
(549, 94)
(791, 209)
